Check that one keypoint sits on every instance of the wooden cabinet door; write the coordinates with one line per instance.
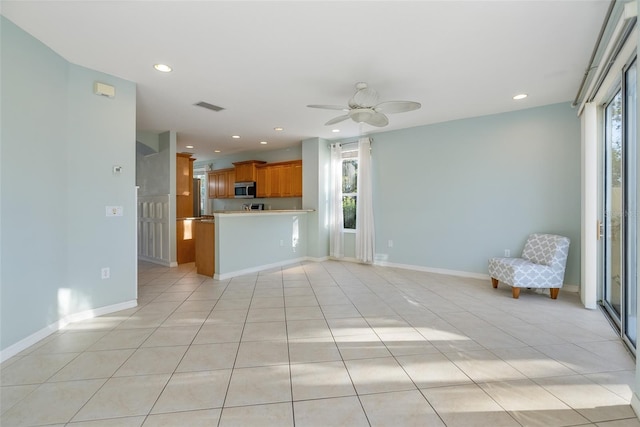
(286, 176)
(261, 182)
(244, 172)
(211, 181)
(183, 174)
(296, 180)
(275, 174)
(230, 190)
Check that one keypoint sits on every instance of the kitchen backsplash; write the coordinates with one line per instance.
(269, 204)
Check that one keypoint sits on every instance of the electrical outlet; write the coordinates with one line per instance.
(106, 273)
(507, 253)
(390, 243)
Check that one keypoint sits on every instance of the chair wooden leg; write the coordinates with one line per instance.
(494, 282)
(516, 292)
(554, 292)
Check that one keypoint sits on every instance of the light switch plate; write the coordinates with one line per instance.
(114, 210)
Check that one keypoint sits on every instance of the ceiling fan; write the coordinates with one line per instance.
(363, 107)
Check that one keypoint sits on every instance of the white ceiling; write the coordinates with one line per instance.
(264, 61)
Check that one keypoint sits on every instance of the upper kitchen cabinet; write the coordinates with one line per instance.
(246, 171)
(184, 174)
(283, 179)
(221, 184)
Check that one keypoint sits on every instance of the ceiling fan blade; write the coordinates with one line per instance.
(337, 120)
(377, 119)
(329, 107)
(391, 107)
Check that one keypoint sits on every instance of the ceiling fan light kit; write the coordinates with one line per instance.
(363, 107)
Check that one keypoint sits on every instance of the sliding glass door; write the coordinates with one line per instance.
(619, 282)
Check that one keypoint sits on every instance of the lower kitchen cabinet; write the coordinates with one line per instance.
(185, 241)
(205, 248)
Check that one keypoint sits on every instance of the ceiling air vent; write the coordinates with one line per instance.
(209, 106)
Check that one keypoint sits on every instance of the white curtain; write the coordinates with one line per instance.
(365, 235)
(336, 247)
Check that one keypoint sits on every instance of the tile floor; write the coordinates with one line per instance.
(326, 344)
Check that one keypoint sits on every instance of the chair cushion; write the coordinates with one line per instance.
(522, 273)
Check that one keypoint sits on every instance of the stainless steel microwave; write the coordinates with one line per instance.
(245, 190)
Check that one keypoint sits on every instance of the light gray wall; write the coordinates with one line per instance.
(453, 194)
(315, 194)
(55, 235)
(248, 242)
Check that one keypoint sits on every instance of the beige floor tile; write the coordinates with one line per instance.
(432, 370)
(262, 353)
(92, 365)
(308, 350)
(70, 342)
(170, 336)
(577, 358)
(378, 375)
(307, 329)
(301, 301)
(361, 347)
(225, 303)
(208, 357)
(152, 360)
(271, 415)
(201, 418)
(484, 366)
(122, 339)
(622, 383)
(254, 386)
(402, 408)
(94, 324)
(340, 311)
(213, 334)
(34, 368)
(186, 318)
(172, 296)
(334, 412)
(320, 380)
(403, 347)
(467, 406)
(266, 315)
(123, 397)
(629, 422)
(267, 302)
(197, 306)
(223, 317)
(10, 395)
(264, 331)
(349, 326)
(532, 363)
(193, 390)
(111, 422)
(144, 320)
(531, 405)
(51, 403)
(304, 313)
(591, 400)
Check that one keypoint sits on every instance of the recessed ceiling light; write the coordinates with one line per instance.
(263, 142)
(520, 96)
(163, 68)
(189, 146)
(216, 151)
(335, 130)
(278, 129)
(235, 136)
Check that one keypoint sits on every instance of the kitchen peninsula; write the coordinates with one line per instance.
(249, 241)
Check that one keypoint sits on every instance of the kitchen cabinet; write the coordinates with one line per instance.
(283, 179)
(184, 185)
(221, 184)
(185, 241)
(184, 174)
(246, 171)
(205, 247)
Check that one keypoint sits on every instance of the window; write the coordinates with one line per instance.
(349, 188)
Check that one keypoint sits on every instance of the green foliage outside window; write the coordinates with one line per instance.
(349, 192)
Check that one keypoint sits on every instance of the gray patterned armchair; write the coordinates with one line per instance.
(542, 265)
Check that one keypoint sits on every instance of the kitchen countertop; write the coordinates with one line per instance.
(263, 212)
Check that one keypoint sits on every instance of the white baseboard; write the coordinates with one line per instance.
(257, 269)
(158, 261)
(480, 276)
(635, 404)
(32, 339)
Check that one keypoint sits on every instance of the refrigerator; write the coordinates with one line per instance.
(197, 197)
